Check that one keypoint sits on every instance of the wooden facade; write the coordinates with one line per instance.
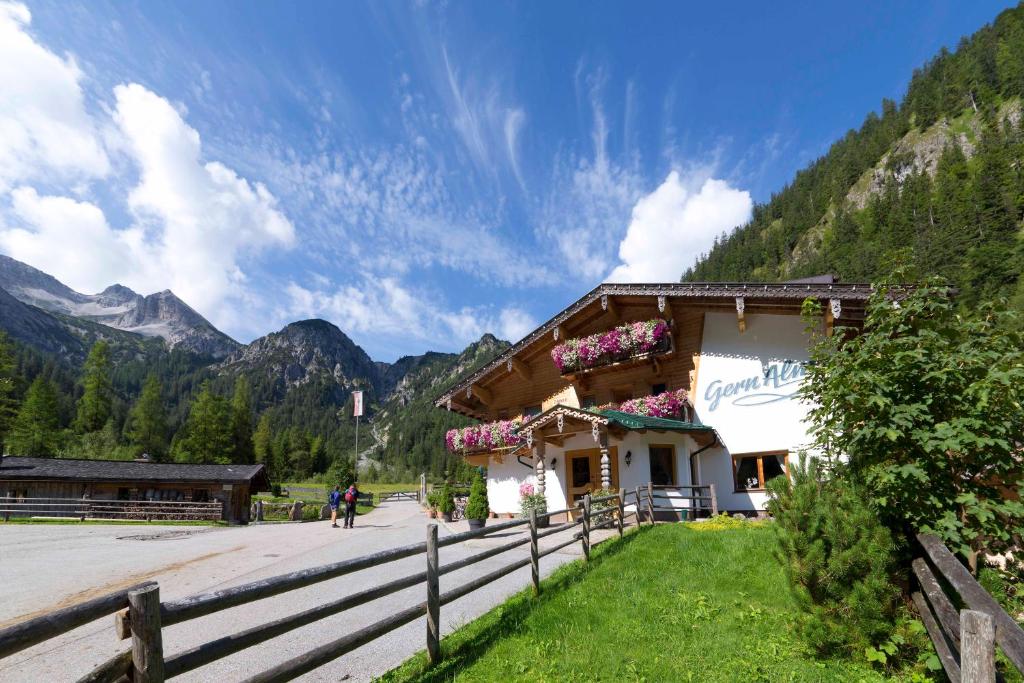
(114, 480)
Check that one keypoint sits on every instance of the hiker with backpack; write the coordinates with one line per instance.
(334, 500)
(351, 498)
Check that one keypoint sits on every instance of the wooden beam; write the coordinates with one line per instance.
(520, 368)
(609, 305)
(829, 322)
(483, 395)
(558, 334)
(740, 320)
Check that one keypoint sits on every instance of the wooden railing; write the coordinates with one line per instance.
(702, 498)
(141, 615)
(965, 641)
(94, 508)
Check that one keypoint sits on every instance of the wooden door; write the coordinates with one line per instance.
(583, 472)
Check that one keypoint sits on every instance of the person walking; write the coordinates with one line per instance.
(351, 498)
(334, 500)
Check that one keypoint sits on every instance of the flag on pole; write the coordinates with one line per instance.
(357, 404)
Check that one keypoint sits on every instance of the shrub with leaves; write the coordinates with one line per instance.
(477, 507)
(838, 557)
(446, 501)
(924, 406)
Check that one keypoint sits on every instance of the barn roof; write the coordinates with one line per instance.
(70, 469)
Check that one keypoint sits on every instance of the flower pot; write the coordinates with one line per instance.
(543, 522)
(475, 524)
(446, 516)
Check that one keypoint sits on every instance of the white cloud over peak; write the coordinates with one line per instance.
(45, 132)
(192, 222)
(676, 223)
(385, 306)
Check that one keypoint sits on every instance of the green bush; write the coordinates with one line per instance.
(446, 503)
(839, 560)
(275, 489)
(478, 507)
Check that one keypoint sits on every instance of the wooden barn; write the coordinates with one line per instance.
(139, 485)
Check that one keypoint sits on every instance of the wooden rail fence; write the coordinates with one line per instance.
(141, 616)
(399, 495)
(95, 508)
(702, 499)
(965, 641)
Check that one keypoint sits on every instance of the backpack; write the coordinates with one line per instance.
(350, 495)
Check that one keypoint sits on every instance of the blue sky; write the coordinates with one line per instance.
(420, 173)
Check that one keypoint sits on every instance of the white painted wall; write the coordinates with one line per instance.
(746, 385)
(503, 479)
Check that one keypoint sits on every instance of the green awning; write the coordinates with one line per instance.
(631, 421)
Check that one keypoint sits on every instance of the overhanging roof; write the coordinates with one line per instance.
(613, 419)
(14, 468)
(794, 292)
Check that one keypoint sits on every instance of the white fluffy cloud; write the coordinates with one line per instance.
(386, 307)
(192, 222)
(44, 129)
(673, 225)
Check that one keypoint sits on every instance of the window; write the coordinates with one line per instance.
(657, 389)
(200, 495)
(588, 402)
(753, 471)
(663, 465)
(531, 411)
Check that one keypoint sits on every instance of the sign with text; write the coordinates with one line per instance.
(357, 404)
(777, 382)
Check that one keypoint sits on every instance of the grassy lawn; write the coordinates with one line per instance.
(666, 604)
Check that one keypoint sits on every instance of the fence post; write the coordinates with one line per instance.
(586, 527)
(534, 553)
(977, 647)
(650, 500)
(147, 640)
(433, 598)
(714, 500)
(622, 508)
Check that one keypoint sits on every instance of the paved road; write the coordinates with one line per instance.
(43, 567)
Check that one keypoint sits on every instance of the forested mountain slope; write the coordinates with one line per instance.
(934, 182)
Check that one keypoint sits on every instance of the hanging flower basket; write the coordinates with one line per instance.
(624, 342)
(484, 437)
(669, 404)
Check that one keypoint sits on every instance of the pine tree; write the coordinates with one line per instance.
(36, 429)
(263, 444)
(207, 431)
(8, 386)
(95, 406)
(241, 422)
(146, 428)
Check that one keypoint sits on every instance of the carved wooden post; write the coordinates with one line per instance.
(534, 553)
(433, 598)
(147, 640)
(650, 500)
(539, 467)
(586, 527)
(622, 508)
(977, 647)
(639, 514)
(606, 467)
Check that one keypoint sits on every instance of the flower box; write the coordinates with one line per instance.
(484, 438)
(628, 342)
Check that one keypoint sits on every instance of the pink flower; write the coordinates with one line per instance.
(525, 490)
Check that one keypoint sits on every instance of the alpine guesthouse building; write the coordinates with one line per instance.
(675, 384)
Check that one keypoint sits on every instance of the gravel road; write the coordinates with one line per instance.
(44, 567)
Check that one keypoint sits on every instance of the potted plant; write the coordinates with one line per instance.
(477, 507)
(446, 504)
(432, 499)
(531, 499)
